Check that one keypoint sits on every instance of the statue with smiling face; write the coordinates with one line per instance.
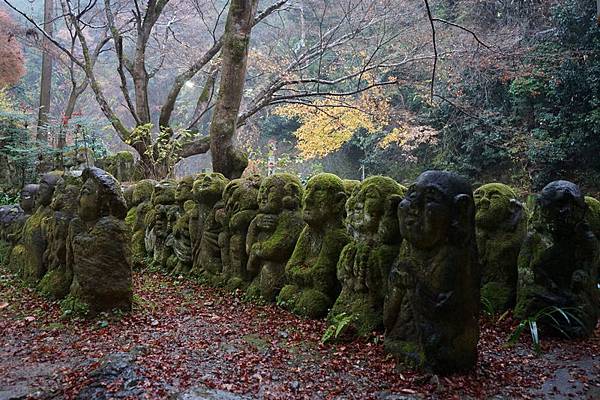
(558, 264)
(311, 271)
(431, 311)
(28, 261)
(500, 227)
(365, 262)
(98, 254)
(273, 234)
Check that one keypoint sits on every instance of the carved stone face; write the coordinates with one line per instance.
(89, 198)
(562, 205)
(28, 194)
(368, 209)
(164, 192)
(143, 191)
(270, 197)
(435, 201)
(46, 190)
(493, 204)
(209, 187)
(184, 189)
(324, 200)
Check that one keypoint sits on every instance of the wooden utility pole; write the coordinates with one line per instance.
(46, 78)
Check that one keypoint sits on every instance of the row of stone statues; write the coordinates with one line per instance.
(414, 261)
(68, 239)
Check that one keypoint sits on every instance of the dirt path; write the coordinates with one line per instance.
(191, 342)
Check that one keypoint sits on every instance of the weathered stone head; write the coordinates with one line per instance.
(497, 207)
(46, 189)
(243, 195)
(65, 197)
(184, 189)
(100, 196)
(370, 202)
(208, 188)
(562, 206)
(143, 191)
(438, 208)
(280, 192)
(164, 192)
(324, 200)
(28, 194)
(351, 186)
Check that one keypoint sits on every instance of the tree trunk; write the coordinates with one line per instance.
(226, 158)
(46, 78)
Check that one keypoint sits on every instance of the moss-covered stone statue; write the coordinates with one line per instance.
(179, 241)
(558, 264)
(501, 224)
(28, 258)
(593, 215)
(159, 221)
(99, 246)
(273, 234)
(432, 306)
(141, 204)
(13, 217)
(365, 263)
(241, 206)
(57, 280)
(208, 192)
(312, 286)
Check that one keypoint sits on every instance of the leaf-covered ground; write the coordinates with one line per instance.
(187, 341)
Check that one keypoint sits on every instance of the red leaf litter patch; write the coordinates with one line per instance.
(188, 341)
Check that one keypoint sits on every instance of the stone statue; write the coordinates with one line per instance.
(208, 192)
(501, 224)
(365, 263)
(240, 209)
(159, 221)
(179, 241)
(13, 217)
(140, 205)
(28, 259)
(432, 306)
(99, 246)
(272, 234)
(57, 281)
(311, 271)
(558, 264)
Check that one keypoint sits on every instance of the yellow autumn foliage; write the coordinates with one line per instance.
(327, 124)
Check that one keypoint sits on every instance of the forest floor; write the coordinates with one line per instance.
(187, 341)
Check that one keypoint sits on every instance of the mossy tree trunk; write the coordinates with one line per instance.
(226, 158)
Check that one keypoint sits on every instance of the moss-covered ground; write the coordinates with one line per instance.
(183, 338)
